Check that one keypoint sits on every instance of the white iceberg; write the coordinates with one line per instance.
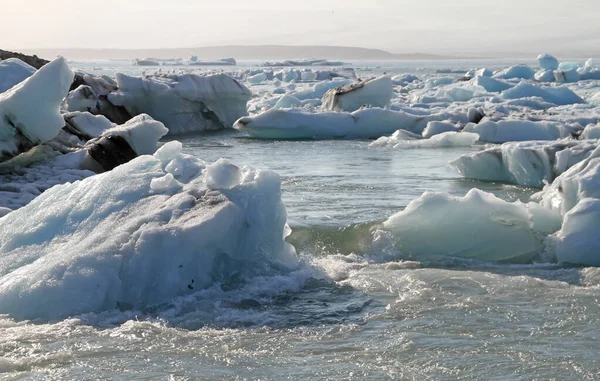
(184, 103)
(257, 78)
(568, 76)
(30, 111)
(532, 163)
(362, 124)
(517, 71)
(442, 140)
(320, 88)
(518, 130)
(479, 226)
(139, 236)
(577, 241)
(377, 92)
(12, 72)
(547, 62)
(560, 95)
(436, 127)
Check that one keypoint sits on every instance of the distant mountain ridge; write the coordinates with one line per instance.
(240, 52)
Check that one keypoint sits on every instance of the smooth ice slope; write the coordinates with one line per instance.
(376, 92)
(29, 112)
(184, 103)
(153, 229)
(12, 72)
(478, 225)
(531, 164)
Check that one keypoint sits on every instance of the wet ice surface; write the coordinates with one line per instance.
(355, 309)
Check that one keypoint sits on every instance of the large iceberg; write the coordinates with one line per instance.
(30, 111)
(184, 103)
(531, 164)
(377, 92)
(479, 226)
(299, 124)
(153, 229)
(13, 71)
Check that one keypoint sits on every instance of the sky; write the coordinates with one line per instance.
(399, 26)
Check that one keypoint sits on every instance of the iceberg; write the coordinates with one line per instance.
(547, 62)
(12, 72)
(108, 241)
(435, 128)
(362, 124)
(517, 71)
(518, 130)
(478, 225)
(492, 85)
(545, 76)
(320, 88)
(377, 92)
(442, 140)
(577, 241)
(184, 103)
(568, 76)
(560, 95)
(531, 164)
(29, 111)
(257, 78)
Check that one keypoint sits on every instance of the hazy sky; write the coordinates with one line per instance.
(402, 26)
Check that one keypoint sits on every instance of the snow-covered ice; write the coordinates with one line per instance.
(12, 72)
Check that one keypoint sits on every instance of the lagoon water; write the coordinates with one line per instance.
(357, 309)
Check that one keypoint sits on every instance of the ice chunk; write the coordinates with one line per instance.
(142, 133)
(567, 76)
(579, 182)
(434, 128)
(545, 76)
(288, 101)
(319, 90)
(86, 124)
(566, 66)
(518, 130)
(577, 241)
(29, 111)
(560, 95)
(443, 140)
(591, 131)
(478, 225)
(257, 79)
(223, 175)
(308, 76)
(112, 241)
(12, 72)
(376, 92)
(299, 124)
(517, 71)
(184, 103)
(547, 62)
(168, 151)
(531, 164)
(492, 85)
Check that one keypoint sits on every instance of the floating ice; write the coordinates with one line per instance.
(12, 72)
(319, 90)
(517, 71)
(560, 95)
(257, 79)
(184, 103)
(478, 225)
(567, 76)
(29, 111)
(299, 124)
(308, 76)
(577, 241)
(136, 237)
(288, 101)
(434, 128)
(518, 130)
(547, 62)
(545, 76)
(492, 85)
(376, 92)
(530, 164)
(442, 140)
